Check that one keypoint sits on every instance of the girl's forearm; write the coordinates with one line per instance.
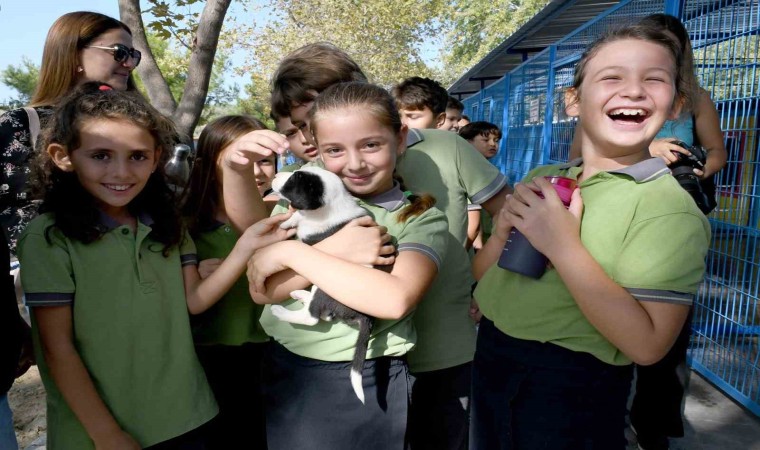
(74, 382)
(645, 338)
(365, 289)
(242, 200)
(279, 286)
(203, 294)
(487, 256)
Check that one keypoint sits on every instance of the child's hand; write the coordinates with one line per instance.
(265, 262)
(545, 222)
(267, 231)
(475, 313)
(208, 266)
(252, 147)
(361, 241)
(664, 148)
(119, 440)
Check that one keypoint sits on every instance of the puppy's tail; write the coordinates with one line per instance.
(360, 355)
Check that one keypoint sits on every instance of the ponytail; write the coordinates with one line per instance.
(419, 203)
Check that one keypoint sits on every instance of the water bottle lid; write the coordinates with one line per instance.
(564, 187)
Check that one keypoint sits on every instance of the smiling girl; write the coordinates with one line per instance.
(553, 366)
(110, 276)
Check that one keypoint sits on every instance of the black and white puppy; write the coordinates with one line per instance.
(323, 206)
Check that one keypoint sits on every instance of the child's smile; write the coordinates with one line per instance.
(627, 93)
(114, 162)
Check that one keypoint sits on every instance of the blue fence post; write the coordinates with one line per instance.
(674, 7)
(504, 125)
(546, 139)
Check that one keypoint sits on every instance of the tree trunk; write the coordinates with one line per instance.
(190, 106)
(158, 90)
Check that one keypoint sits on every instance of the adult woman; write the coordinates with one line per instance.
(80, 46)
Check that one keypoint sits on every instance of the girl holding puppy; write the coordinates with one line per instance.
(553, 366)
(110, 276)
(310, 402)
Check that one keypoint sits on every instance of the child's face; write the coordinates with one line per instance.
(453, 116)
(360, 150)
(114, 161)
(264, 171)
(488, 146)
(419, 118)
(299, 116)
(296, 136)
(627, 93)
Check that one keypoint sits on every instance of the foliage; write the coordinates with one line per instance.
(23, 79)
(475, 27)
(385, 37)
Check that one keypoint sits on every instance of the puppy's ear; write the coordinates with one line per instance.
(60, 157)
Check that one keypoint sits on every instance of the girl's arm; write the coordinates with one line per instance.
(489, 254)
(371, 291)
(473, 226)
(361, 241)
(73, 380)
(201, 294)
(242, 201)
(707, 126)
(642, 330)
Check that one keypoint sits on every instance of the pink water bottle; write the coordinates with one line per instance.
(519, 255)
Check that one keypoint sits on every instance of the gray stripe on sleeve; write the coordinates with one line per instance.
(654, 295)
(424, 249)
(191, 259)
(34, 299)
(489, 191)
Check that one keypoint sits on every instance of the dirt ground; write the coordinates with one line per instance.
(27, 400)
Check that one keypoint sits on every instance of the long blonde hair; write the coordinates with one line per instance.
(60, 56)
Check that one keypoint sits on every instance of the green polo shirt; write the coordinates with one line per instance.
(130, 327)
(444, 165)
(640, 226)
(335, 341)
(234, 320)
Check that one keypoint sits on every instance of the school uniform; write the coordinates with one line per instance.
(543, 376)
(130, 328)
(230, 344)
(446, 166)
(309, 399)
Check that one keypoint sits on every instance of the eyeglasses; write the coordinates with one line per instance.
(121, 53)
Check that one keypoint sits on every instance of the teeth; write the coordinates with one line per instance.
(628, 112)
(118, 187)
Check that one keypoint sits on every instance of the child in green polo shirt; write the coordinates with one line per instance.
(110, 276)
(552, 367)
(229, 341)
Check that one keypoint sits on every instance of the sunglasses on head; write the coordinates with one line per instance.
(121, 53)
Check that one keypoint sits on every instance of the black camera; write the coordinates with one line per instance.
(683, 172)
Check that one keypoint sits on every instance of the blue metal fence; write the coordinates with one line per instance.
(725, 35)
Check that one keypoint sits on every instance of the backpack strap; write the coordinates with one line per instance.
(34, 124)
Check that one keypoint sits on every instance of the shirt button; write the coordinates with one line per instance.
(124, 231)
(227, 229)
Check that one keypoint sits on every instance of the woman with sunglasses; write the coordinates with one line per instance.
(80, 47)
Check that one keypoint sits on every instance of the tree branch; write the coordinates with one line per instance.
(158, 90)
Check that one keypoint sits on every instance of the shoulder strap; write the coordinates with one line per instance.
(34, 124)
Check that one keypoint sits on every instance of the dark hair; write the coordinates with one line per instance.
(454, 104)
(642, 33)
(675, 26)
(465, 117)
(308, 71)
(485, 129)
(75, 210)
(60, 57)
(379, 104)
(203, 194)
(417, 93)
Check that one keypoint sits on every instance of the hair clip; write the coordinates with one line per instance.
(105, 87)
